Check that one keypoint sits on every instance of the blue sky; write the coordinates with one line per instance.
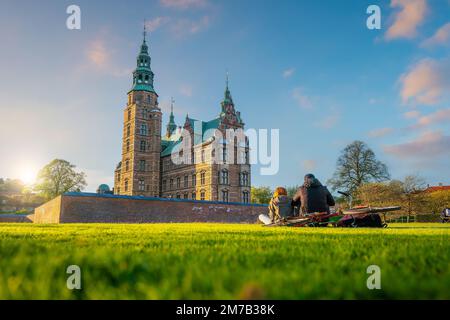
(309, 68)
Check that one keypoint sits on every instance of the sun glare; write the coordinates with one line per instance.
(28, 175)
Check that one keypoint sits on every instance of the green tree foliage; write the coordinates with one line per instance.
(438, 201)
(261, 195)
(291, 191)
(356, 166)
(409, 194)
(58, 177)
(11, 185)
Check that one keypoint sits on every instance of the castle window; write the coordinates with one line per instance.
(129, 112)
(186, 181)
(223, 177)
(143, 146)
(185, 196)
(202, 178)
(242, 158)
(171, 184)
(127, 165)
(194, 196)
(178, 196)
(128, 130)
(126, 185)
(225, 195)
(144, 129)
(141, 165)
(145, 113)
(146, 79)
(194, 180)
(118, 177)
(149, 97)
(164, 185)
(128, 145)
(202, 195)
(203, 156)
(141, 185)
(224, 154)
(178, 183)
(244, 179)
(245, 197)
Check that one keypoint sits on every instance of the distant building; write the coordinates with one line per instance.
(147, 167)
(440, 187)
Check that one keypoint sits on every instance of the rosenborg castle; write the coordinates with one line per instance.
(213, 168)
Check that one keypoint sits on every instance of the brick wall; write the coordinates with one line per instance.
(94, 208)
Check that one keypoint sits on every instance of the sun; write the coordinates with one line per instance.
(27, 175)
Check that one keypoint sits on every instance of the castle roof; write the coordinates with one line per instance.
(207, 132)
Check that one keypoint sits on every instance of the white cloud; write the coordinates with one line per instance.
(156, 23)
(183, 4)
(302, 100)
(440, 116)
(186, 90)
(406, 21)
(441, 37)
(97, 54)
(100, 57)
(378, 133)
(310, 165)
(427, 146)
(426, 82)
(288, 73)
(411, 114)
(179, 27)
(183, 27)
(329, 121)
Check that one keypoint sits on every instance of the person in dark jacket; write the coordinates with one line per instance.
(313, 197)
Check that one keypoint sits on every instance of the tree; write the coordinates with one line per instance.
(357, 165)
(261, 195)
(58, 177)
(291, 191)
(414, 197)
(438, 201)
(380, 193)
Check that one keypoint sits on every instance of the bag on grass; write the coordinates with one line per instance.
(362, 221)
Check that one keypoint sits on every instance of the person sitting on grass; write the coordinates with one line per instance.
(445, 214)
(280, 207)
(313, 197)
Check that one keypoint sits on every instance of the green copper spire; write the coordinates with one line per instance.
(227, 99)
(171, 126)
(143, 74)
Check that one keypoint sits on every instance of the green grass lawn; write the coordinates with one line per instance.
(218, 261)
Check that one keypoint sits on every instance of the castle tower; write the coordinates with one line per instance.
(171, 126)
(139, 171)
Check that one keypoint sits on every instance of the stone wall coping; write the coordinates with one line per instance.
(114, 196)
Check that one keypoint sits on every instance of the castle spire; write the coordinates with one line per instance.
(227, 99)
(145, 31)
(171, 126)
(143, 74)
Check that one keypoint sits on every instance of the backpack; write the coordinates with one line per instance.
(362, 221)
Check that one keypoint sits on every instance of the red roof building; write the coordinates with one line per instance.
(437, 188)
